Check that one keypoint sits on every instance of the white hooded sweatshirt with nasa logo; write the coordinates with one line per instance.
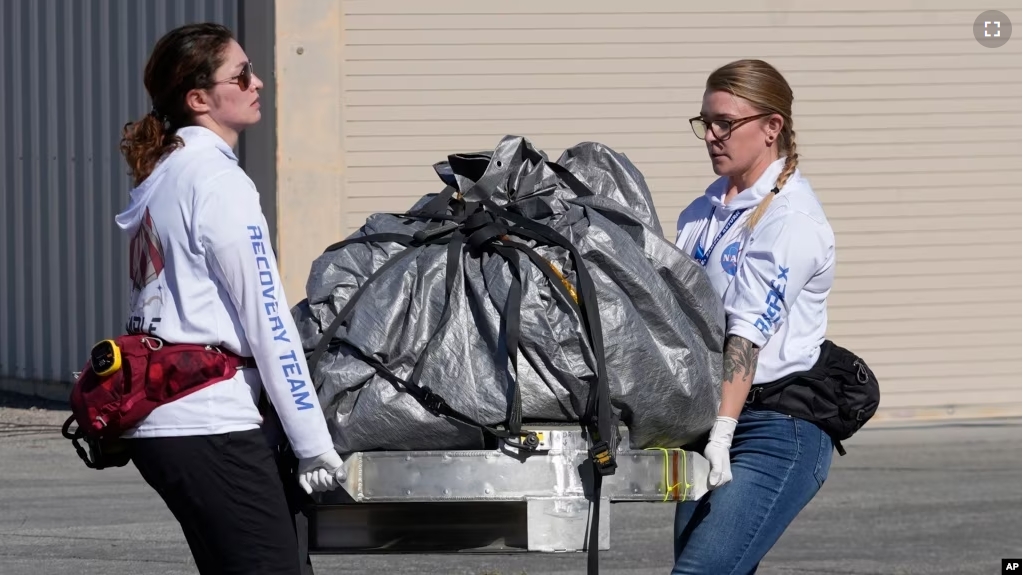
(203, 271)
(775, 281)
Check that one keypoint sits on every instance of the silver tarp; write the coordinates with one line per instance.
(662, 324)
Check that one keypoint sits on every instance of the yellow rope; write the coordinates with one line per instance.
(564, 282)
(685, 473)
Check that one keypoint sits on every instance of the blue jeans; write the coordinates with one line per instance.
(778, 464)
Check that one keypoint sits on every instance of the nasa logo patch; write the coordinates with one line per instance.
(730, 259)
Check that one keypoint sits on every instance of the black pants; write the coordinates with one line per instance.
(227, 493)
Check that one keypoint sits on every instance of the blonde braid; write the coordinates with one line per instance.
(763, 86)
(791, 161)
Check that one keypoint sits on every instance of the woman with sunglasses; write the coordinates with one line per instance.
(769, 251)
(203, 271)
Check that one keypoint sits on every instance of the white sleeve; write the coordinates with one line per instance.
(784, 254)
(234, 235)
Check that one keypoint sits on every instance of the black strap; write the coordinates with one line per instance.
(592, 557)
(437, 207)
(403, 239)
(487, 232)
(74, 437)
(545, 268)
(429, 400)
(569, 178)
(566, 176)
(453, 260)
(511, 320)
(98, 456)
(328, 334)
(432, 402)
(597, 415)
(598, 409)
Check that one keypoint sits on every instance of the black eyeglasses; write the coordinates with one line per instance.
(722, 128)
(244, 80)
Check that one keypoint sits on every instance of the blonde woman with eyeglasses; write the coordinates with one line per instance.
(769, 251)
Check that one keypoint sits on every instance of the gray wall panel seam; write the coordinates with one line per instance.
(70, 77)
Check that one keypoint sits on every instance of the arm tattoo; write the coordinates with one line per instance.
(740, 358)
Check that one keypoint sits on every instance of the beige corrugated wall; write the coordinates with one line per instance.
(909, 130)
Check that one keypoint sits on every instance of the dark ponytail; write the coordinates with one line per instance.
(144, 143)
(184, 59)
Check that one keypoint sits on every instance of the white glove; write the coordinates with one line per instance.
(716, 451)
(321, 473)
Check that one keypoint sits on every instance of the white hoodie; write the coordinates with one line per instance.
(774, 282)
(203, 271)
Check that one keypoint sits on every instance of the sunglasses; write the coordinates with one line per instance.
(244, 80)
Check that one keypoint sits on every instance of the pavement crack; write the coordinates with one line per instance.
(65, 537)
(133, 559)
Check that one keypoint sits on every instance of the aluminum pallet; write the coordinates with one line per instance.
(493, 500)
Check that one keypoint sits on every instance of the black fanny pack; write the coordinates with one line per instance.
(839, 394)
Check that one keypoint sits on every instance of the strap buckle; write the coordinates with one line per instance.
(433, 403)
(600, 453)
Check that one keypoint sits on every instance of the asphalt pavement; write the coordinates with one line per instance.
(938, 499)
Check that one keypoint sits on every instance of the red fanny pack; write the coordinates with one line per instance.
(137, 374)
